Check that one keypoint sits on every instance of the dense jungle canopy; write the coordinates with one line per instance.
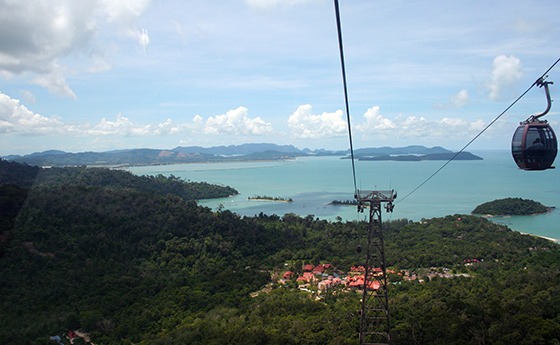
(111, 255)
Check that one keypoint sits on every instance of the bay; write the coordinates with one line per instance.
(313, 182)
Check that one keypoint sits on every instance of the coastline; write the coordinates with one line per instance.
(548, 210)
(546, 238)
(314, 174)
(261, 199)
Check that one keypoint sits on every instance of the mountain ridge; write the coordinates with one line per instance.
(232, 153)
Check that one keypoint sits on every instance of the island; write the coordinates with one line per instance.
(344, 202)
(269, 198)
(511, 207)
(232, 153)
(443, 156)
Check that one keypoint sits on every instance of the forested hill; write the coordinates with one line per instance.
(129, 267)
(107, 178)
(20, 174)
(26, 176)
(511, 206)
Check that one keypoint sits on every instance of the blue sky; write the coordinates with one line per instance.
(98, 75)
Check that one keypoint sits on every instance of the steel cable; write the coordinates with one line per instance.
(481, 132)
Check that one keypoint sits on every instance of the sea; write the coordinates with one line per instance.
(314, 182)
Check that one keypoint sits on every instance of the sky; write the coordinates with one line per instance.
(100, 75)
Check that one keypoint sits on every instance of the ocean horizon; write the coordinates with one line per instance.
(314, 182)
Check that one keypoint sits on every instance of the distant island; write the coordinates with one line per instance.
(463, 156)
(231, 153)
(511, 207)
(413, 153)
(344, 202)
(269, 198)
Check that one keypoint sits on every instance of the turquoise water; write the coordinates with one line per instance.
(313, 182)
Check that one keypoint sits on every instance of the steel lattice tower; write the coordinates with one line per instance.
(374, 317)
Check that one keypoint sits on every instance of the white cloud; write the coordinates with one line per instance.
(36, 35)
(198, 119)
(506, 74)
(17, 119)
(305, 125)
(123, 126)
(412, 127)
(374, 121)
(55, 82)
(235, 121)
(456, 101)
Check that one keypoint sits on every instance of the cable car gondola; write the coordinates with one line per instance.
(534, 144)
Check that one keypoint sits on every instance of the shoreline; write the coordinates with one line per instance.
(546, 238)
(260, 199)
(548, 210)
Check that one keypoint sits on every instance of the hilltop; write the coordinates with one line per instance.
(231, 153)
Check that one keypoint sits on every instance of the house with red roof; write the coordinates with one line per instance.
(325, 284)
(318, 270)
(358, 282)
(308, 267)
(288, 274)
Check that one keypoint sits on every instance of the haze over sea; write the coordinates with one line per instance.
(313, 182)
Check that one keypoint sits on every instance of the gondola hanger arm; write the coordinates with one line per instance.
(540, 83)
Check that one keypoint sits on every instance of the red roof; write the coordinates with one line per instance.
(288, 274)
(358, 282)
(318, 269)
(308, 267)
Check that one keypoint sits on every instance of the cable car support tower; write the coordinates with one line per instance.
(374, 316)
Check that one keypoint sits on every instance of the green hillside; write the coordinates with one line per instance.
(134, 267)
(511, 206)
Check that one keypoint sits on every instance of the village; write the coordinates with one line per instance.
(322, 277)
(318, 280)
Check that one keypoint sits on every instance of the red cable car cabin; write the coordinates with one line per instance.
(534, 145)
